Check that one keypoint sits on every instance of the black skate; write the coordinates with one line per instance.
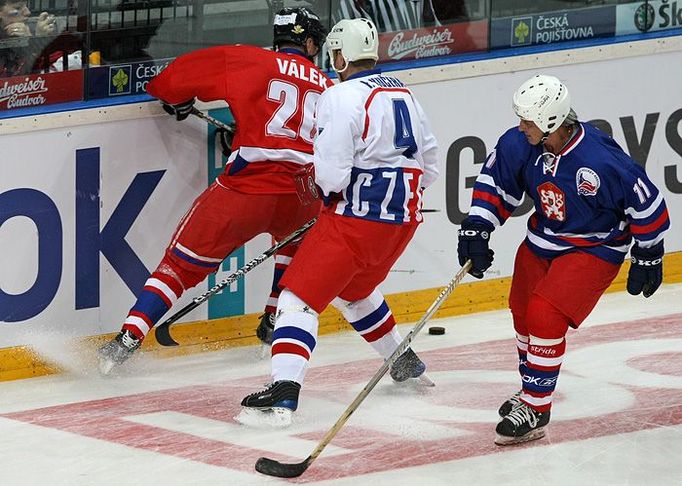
(522, 424)
(272, 406)
(513, 402)
(408, 365)
(118, 350)
(266, 328)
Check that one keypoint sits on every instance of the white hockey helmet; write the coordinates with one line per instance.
(357, 39)
(543, 100)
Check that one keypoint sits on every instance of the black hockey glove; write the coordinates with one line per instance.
(179, 111)
(646, 270)
(473, 245)
(226, 136)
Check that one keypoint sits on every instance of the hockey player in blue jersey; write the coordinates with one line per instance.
(591, 201)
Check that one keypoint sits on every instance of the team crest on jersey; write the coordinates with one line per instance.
(587, 182)
(553, 201)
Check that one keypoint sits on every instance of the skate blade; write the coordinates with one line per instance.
(503, 440)
(421, 380)
(425, 380)
(276, 417)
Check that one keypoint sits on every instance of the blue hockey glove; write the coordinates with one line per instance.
(646, 270)
(473, 245)
(180, 111)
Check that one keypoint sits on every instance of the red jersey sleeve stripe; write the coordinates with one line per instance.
(648, 228)
(494, 200)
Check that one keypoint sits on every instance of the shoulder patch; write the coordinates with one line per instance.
(587, 182)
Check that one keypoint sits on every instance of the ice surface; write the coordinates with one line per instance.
(617, 417)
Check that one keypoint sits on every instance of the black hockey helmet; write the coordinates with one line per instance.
(295, 25)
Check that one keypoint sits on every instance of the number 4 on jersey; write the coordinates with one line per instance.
(404, 138)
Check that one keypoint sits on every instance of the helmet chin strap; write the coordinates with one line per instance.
(344, 68)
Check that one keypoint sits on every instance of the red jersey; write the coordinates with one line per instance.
(272, 96)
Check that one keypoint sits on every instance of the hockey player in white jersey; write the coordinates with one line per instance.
(374, 154)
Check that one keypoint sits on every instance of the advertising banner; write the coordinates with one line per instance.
(550, 27)
(86, 213)
(35, 90)
(442, 40)
(85, 216)
(634, 18)
(123, 79)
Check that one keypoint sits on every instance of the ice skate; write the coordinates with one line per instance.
(273, 406)
(408, 365)
(522, 424)
(117, 351)
(513, 402)
(266, 328)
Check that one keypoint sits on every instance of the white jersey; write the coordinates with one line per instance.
(374, 152)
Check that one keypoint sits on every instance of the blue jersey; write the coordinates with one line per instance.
(591, 197)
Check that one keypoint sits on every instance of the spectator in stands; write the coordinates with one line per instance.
(21, 58)
(388, 15)
(439, 12)
(394, 15)
(34, 45)
(14, 16)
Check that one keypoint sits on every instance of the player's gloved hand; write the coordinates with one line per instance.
(473, 245)
(226, 136)
(646, 270)
(180, 111)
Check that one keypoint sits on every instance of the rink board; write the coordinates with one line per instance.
(86, 210)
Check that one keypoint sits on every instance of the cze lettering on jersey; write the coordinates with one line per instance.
(398, 190)
(289, 67)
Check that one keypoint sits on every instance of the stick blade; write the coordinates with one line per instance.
(163, 336)
(271, 467)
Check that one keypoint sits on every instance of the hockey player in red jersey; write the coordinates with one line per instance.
(272, 96)
(374, 155)
(591, 200)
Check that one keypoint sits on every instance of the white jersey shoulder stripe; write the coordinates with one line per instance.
(485, 214)
(645, 213)
(489, 181)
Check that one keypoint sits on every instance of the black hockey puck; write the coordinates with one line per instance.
(436, 330)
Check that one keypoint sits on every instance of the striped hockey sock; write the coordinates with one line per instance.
(372, 318)
(158, 295)
(282, 261)
(522, 348)
(542, 371)
(294, 338)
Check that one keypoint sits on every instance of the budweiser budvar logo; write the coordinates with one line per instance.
(19, 94)
(419, 44)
